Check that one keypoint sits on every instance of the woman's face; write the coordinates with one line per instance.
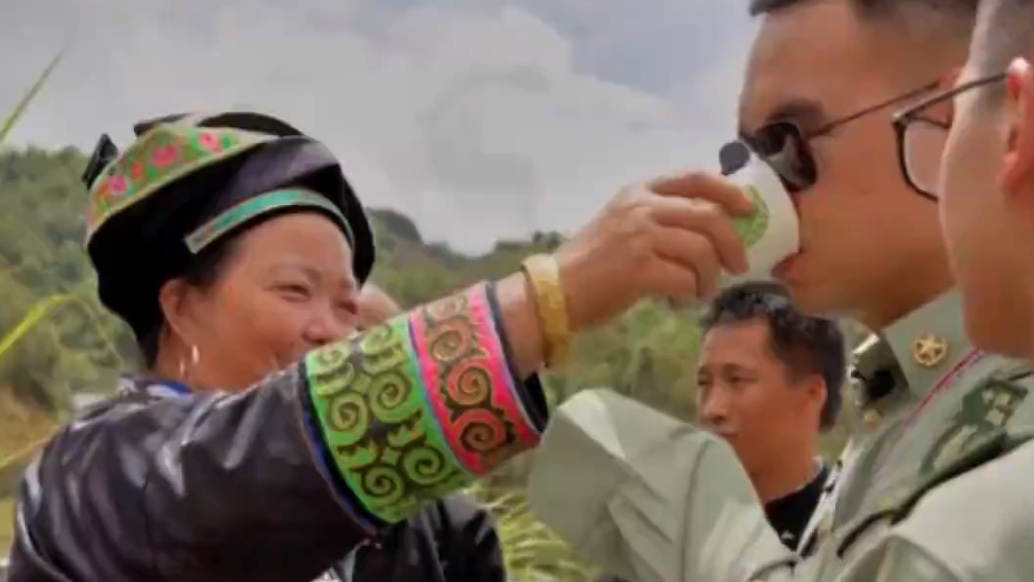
(285, 288)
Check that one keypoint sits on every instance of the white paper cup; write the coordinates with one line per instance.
(771, 233)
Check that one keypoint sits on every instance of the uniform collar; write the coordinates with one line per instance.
(917, 341)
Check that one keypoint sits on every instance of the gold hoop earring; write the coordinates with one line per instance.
(195, 359)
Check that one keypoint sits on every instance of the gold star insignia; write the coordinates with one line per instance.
(929, 350)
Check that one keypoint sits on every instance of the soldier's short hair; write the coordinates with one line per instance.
(930, 31)
(805, 344)
(1004, 31)
(963, 8)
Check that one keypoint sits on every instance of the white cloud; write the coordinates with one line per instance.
(479, 119)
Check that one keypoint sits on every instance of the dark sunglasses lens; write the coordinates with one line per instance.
(784, 148)
(733, 156)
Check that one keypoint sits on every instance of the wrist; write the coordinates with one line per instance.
(516, 299)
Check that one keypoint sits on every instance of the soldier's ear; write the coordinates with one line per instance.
(1018, 165)
(816, 393)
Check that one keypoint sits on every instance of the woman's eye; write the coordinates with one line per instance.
(349, 307)
(294, 291)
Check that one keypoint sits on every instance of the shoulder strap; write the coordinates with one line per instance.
(990, 446)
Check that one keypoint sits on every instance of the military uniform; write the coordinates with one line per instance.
(660, 500)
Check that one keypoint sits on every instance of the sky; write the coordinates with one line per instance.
(480, 119)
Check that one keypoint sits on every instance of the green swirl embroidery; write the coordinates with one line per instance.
(349, 416)
(369, 398)
(391, 398)
(751, 228)
(424, 465)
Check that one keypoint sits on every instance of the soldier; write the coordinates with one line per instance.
(987, 178)
(661, 501)
(987, 211)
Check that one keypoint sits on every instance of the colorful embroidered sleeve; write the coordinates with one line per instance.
(419, 407)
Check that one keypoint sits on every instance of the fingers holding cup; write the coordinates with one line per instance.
(699, 185)
(757, 211)
(693, 251)
(708, 219)
(671, 279)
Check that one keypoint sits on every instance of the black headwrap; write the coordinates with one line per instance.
(190, 180)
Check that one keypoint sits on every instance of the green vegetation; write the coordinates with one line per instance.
(6, 516)
(532, 552)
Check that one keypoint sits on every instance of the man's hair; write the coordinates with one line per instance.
(805, 344)
(1004, 31)
(928, 31)
(965, 8)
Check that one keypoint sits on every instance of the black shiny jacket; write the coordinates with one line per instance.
(115, 496)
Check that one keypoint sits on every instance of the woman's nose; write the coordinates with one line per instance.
(325, 327)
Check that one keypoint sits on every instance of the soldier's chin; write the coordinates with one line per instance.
(791, 272)
(819, 298)
(728, 435)
(720, 432)
(785, 269)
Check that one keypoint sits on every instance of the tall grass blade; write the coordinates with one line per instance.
(36, 314)
(23, 104)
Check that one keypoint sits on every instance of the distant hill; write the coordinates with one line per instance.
(415, 271)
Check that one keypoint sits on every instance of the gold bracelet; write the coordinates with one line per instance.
(544, 274)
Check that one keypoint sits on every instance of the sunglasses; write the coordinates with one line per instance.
(921, 137)
(786, 148)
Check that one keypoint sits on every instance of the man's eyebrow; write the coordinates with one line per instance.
(736, 367)
(807, 113)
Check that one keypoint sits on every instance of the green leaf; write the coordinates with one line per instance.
(36, 314)
(22, 105)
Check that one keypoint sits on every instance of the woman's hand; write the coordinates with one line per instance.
(671, 237)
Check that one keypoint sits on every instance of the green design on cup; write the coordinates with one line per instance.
(751, 228)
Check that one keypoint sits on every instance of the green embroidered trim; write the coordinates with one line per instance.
(378, 425)
(261, 204)
(164, 154)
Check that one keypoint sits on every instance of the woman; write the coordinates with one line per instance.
(233, 246)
